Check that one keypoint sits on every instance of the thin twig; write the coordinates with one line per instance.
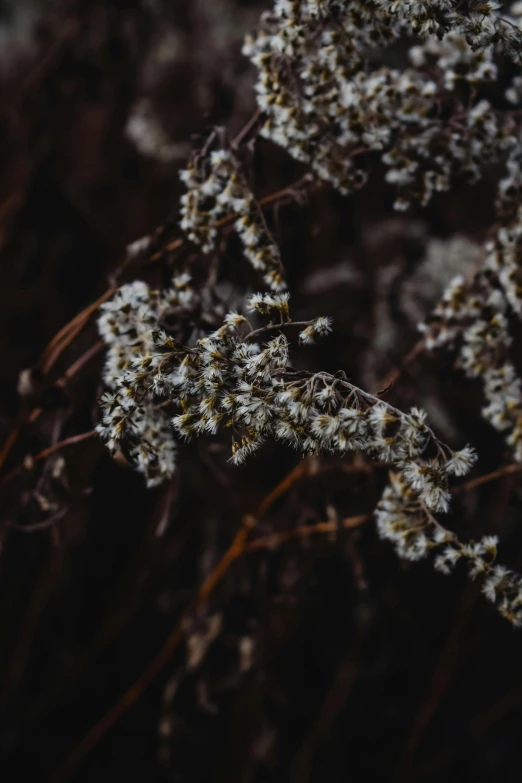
(505, 470)
(64, 343)
(395, 373)
(10, 442)
(271, 327)
(63, 444)
(301, 469)
(245, 131)
(76, 366)
(276, 539)
(36, 412)
(62, 338)
(47, 452)
(38, 525)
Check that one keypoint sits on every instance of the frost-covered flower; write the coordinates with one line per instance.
(473, 317)
(327, 103)
(217, 188)
(319, 327)
(461, 461)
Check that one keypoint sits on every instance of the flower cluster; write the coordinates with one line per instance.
(510, 187)
(229, 379)
(133, 423)
(232, 379)
(457, 63)
(474, 317)
(503, 258)
(326, 101)
(126, 325)
(217, 188)
(481, 25)
(415, 533)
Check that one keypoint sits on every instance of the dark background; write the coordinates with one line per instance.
(363, 667)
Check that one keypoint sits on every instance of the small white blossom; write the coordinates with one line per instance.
(319, 327)
(461, 461)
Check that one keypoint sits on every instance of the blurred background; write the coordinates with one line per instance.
(317, 660)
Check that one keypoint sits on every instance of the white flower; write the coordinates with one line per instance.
(461, 461)
(446, 561)
(319, 327)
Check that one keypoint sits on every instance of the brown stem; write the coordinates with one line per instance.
(36, 412)
(245, 131)
(68, 332)
(487, 477)
(271, 327)
(38, 525)
(395, 373)
(275, 539)
(302, 468)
